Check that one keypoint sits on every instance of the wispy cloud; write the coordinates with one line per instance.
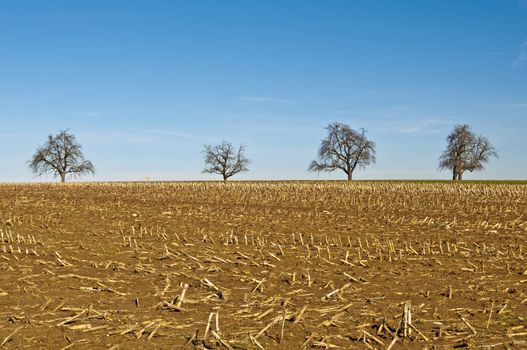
(522, 57)
(387, 111)
(55, 16)
(91, 114)
(122, 137)
(265, 99)
(10, 136)
(267, 129)
(453, 54)
(139, 136)
(173, 133)
(345, 112)
(507, 106)
(424, 126)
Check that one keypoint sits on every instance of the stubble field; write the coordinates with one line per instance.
(306, 265)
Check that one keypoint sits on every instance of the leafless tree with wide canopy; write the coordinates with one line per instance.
(225, 159)
(61, 155)
(465, 151)
(344, 149)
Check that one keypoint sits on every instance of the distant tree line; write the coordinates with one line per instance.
(342, 149)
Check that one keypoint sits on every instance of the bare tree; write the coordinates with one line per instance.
(61, 155)
(465, 151)
(225, 160)
(344, 149)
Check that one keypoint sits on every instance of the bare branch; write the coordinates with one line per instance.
(59, 156)
(344, 149)
(465, 151)
(225, 160)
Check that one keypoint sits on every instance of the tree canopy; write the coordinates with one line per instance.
(344, 149)
(61, 155)
(225, 159)
(465, 151)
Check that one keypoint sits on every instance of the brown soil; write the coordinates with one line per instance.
(279, 265)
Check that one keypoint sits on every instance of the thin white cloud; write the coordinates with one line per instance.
(508, 105)
(266, 129)
(265, 99)
(56, 16)
(10, 136)
(126, 137)
(452, 54)
(425, 126)
(522, 57)
(377, 112)
(138, 136)
(91, 114)
(345, 112)
(173, 133)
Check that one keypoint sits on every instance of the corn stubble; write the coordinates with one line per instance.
(290, 265)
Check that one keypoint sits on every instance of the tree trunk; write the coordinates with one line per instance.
(350, 175)
(63, 177)
(225, 177)
(460, 176)
(454, 173)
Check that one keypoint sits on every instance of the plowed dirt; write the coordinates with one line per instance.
(263, 265)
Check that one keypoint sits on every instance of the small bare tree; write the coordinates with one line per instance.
(465, 151)
(344, 149)
(225, 160)
(61, 155)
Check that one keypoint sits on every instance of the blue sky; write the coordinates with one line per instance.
(144, 84)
